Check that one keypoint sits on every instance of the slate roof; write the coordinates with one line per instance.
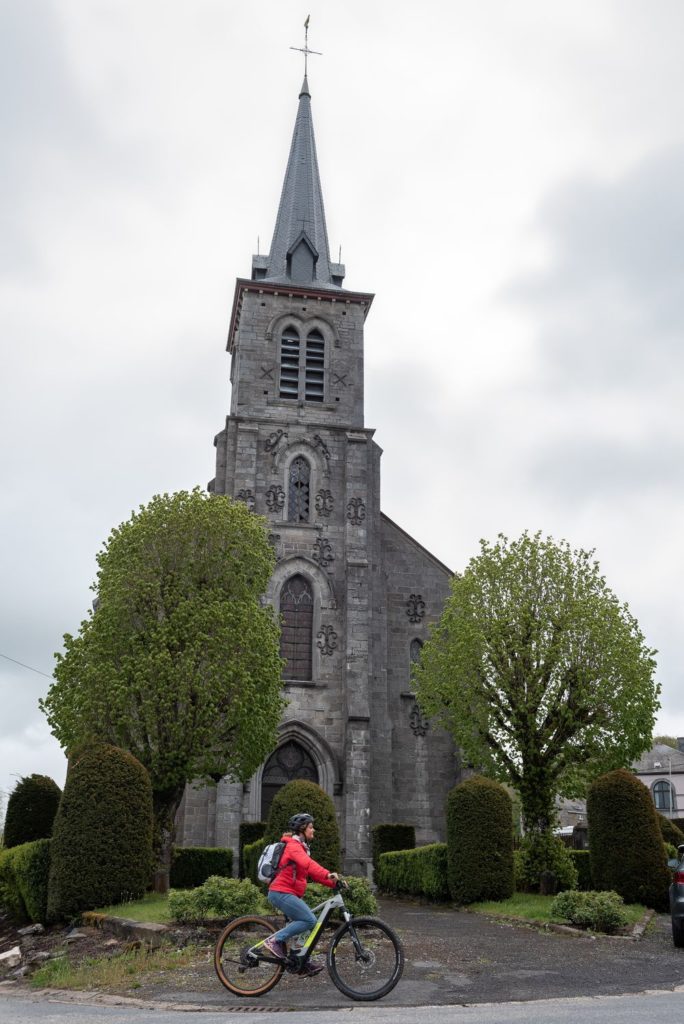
(301, 211)
(660, 754)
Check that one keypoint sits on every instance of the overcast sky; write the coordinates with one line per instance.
(506, 177)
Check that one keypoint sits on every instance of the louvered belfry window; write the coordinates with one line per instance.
(296, 638)
(289, 364)
(302, 366)
(315, 367)
(298, 491)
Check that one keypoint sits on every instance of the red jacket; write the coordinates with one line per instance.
(295, 867)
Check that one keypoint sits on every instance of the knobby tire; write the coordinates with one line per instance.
(240, 973)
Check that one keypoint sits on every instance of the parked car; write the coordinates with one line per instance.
(677, 898)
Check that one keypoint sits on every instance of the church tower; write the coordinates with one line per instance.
(354, 593)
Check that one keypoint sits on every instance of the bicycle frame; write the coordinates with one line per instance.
(326, 908)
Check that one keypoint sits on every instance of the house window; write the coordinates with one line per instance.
(298, 491)
(296, 637)
(302, 367)
(664, 797)
(289, 363)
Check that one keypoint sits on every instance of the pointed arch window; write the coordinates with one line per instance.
(298, 490)
(291, 761)
(296, 637)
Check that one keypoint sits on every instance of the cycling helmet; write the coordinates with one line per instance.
(298, 822)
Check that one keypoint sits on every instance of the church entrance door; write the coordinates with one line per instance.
(291, 761)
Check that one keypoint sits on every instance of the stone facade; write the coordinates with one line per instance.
(375, 591)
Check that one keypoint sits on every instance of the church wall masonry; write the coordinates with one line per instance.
(354, 592)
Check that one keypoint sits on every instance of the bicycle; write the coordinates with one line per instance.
(365, 958)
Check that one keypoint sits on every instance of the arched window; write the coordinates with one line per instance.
(296, 638)
(302, 367)
(289, 363)
(415, 649)
(291, 761)
(298, 490)
(664, 796)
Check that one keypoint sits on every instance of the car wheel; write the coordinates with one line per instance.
(678, 932)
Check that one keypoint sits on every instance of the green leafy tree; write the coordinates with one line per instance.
(541, 675)
(179, 662)
(668, 741)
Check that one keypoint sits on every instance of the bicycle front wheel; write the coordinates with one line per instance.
(239, 965)
(365, 959)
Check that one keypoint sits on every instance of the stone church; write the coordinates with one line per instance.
(355, 593)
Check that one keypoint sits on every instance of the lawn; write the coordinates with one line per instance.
(153, 908)
(533, 907)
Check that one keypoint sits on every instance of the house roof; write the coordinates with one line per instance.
(660, 760)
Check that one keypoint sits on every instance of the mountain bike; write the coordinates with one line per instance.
(365, 958)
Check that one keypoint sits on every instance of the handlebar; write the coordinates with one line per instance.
(341, 885)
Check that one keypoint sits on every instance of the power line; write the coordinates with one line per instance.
(29, 667)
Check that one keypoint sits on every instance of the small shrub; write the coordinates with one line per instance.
(248, 832)
(479, 841)
(102, 840)
(298, 796)
(192, 865)
(625, 840)
(250, 858)
(218, 896)
(580, 858)
(359, 898)
(419, 872)
(31, 810)
(385, 838)
(543, 852)
(601, 911)
(32, 871)
(10, 897)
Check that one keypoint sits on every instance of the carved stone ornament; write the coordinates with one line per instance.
(248, 497)
(356, 511)
(274, 439)
(323, 552)
(324, 503)
(320, 443)
(418, 722)
(275, 498)
(327, 639)
(415, 608)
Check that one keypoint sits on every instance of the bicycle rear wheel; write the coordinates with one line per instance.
(238, 966)
(365, 959)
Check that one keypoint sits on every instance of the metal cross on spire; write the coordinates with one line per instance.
(305, 49)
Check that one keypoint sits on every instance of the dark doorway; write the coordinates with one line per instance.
(291, 761)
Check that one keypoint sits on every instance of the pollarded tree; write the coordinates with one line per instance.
(541, 675)
(179, 663)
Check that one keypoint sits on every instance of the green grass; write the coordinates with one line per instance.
(116, 972)
(152, 908)
(533, 907)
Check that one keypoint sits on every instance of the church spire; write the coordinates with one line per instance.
(299, 249)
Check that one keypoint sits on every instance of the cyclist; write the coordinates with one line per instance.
(286, 891)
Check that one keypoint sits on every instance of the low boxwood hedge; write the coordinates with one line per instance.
(24, 872)
(419, 872)
(386, 837)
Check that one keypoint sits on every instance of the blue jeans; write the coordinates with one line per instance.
(301, 918)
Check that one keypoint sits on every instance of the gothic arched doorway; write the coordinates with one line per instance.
(291, 761)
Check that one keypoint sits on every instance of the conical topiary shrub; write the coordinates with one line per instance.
(31, 810)
(299, 796)
(479, 841)
(626, 847)
(102, 838)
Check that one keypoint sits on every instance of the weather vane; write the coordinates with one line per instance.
(305, 49)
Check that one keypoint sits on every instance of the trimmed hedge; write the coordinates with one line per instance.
(479, 841)
(419, 872)
(299, 796)
(192, 865)
(669, 831)
(386, 837)
(602, 911)
(250, 858)
(31, 810)
(625, 845)
(248, 832)
(580, 858)
(102, 839)
(24, 872)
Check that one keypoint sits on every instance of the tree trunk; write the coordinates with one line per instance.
(165, 803)
(537, 800)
